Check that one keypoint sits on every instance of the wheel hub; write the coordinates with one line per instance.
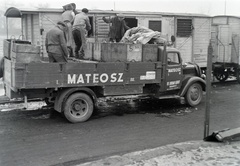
(77, 107)
(194, 94)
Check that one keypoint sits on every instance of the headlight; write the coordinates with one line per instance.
(203, 76)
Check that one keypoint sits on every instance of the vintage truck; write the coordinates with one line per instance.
(124, 70)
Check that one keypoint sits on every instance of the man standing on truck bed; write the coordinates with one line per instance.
(118, 28)
(68, 18)
(55, 43)
(81, 26)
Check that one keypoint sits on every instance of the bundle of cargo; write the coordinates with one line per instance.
(143, 35)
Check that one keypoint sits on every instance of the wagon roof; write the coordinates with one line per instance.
(15, 12)
(227, 16)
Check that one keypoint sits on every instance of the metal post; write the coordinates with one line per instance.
(208, 90)
(7, 26)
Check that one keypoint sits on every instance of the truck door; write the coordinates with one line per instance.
(173, 71)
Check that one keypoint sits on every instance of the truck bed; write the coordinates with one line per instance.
(39, 75)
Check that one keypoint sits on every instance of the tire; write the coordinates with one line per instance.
(194, 94)
(222, 77)
(78, 108)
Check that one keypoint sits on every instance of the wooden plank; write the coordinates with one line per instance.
(122, 90)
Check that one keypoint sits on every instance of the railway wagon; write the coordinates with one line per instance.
(192, 31)
(225, 33)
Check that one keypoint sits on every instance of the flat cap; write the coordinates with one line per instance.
(85, 10)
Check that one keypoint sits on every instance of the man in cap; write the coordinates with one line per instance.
(55, 43)
(81, 26)
(118, 27)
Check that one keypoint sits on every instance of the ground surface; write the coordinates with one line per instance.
(40, 137)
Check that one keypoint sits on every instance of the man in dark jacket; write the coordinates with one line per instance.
(118, 27)
(55, 43)
(81, 26)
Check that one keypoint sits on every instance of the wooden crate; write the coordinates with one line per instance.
(134, 52)
(121, 52)
(25, 53)
(97, 51)
(7, 48)
(89, 51)
(149, 53)
(113, 52)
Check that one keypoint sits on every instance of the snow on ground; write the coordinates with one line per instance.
(208, 156)
(18, 106)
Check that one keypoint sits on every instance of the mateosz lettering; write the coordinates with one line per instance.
(94, 78)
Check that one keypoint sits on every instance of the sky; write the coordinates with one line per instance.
(209, 7)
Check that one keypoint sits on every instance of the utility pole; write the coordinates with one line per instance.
(225, 7)
(208, 90)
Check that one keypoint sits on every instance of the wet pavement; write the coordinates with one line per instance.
(145, 131)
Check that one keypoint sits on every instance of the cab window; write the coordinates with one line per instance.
(173, 58)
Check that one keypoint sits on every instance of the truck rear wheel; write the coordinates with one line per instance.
(194, 94)
(78, 107)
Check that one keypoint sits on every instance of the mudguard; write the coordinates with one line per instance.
(64, 94)
(188, 82)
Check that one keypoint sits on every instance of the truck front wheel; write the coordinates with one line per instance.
(78, 107)
(194, 94)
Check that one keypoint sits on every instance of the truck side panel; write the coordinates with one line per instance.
(54, 75)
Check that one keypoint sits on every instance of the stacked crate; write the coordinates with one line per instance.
(21, 51)
(113, 52)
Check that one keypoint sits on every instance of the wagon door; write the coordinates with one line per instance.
(224, 43)
(214, 41)
(235, 49)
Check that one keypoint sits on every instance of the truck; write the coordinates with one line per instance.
(74, 88)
